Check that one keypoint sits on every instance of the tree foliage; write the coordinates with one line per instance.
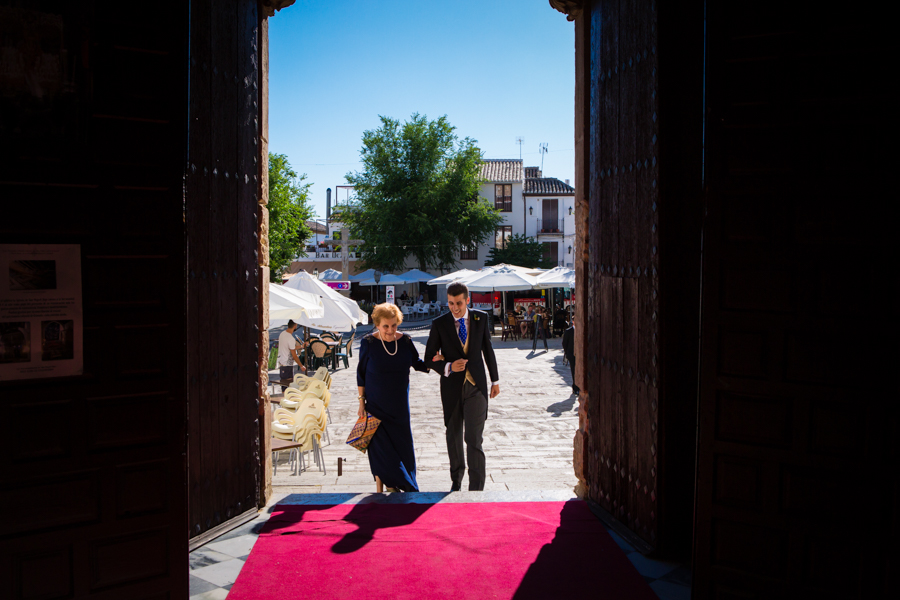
(521, 251)
(417, 194)
(289, 209)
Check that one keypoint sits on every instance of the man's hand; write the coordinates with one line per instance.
(437, 357)
(459, 365)
(495, 389)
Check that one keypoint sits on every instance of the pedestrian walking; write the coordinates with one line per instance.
(462, 337)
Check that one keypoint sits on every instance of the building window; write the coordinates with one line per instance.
(502, 235)
(503, 197)
(468, 252)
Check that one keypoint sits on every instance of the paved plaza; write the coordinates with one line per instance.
(528, 437)
(528, 441)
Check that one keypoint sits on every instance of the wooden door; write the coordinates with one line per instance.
(550, 215)
(92, 467)
(638, 189)
(797, 473)
(222, 193)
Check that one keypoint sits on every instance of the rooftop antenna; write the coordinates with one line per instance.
(542, 148)
(520, 140)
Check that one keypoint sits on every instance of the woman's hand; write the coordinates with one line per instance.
(437, 357)
(361, 413)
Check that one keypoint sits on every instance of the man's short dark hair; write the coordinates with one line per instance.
(458, 289)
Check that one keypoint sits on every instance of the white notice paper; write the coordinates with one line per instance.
(41, 325)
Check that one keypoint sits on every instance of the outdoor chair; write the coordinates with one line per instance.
(296, 448)
(305, 425)
(510, 330)
(330, 337)
(321, 354)
(349, 345)
(340, 356)
(301, 381)
(294, 398)
(422, 310)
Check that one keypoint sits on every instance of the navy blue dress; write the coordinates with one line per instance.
(386, 379)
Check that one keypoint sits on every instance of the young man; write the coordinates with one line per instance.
(287, 353)
(462, 336)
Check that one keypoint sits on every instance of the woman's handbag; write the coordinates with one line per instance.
(363, 431)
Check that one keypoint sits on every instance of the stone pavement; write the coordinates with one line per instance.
(528, 442)
(528, 437)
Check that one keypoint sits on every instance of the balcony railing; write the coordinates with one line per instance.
(551, 226)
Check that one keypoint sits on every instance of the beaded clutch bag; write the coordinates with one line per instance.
(362, 432)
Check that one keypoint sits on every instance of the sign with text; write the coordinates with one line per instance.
(389, 292)
(524, 302)
(41, 325)
(338, 285)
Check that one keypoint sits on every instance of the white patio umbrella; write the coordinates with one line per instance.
(500, 279)
(558, 277)
(367, 274)
(330, 275)
(416, 276)
(341, 314)
(286, 303)
(389, 279)
(451, 277)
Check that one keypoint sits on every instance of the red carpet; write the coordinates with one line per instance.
(434, 551)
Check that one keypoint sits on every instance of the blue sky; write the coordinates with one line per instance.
(498, 69)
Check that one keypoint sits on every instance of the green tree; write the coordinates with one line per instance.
(289, 209)
(521, 251)
(417, 195)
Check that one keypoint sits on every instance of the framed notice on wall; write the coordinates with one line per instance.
(41, 325)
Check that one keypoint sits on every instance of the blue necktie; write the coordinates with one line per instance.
(462, 330)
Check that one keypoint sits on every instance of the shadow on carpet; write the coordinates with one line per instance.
(519, 550)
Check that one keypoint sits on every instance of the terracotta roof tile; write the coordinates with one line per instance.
(505, 170)
(547, 185)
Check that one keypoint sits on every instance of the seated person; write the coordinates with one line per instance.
(529, 316)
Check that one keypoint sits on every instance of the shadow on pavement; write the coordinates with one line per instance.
(558, 408)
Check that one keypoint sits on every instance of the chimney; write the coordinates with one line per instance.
(328, 203)
(567, 182)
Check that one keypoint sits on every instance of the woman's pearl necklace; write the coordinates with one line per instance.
(396, 345)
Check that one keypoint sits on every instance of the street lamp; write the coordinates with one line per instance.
(316, 273)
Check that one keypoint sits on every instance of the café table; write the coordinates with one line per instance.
(279, 444)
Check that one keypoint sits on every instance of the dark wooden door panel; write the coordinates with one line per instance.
(92, 469)
(797, 357)
(222, 203)
(643, 270)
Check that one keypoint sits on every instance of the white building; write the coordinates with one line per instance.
(532, 205)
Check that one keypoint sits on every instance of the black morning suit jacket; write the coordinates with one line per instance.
(444, 340)
(568, 344)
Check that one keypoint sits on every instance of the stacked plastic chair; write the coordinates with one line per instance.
(304, 426)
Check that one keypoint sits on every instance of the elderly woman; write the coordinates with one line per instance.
(385, 357)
